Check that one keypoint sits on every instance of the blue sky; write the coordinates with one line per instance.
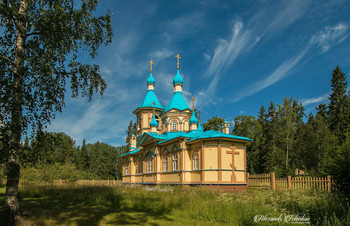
(235, 57)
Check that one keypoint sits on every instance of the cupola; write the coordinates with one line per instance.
(193, 121)
(153, 124)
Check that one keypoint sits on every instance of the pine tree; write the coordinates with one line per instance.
(84, 156)
(338, 108)
(273, 156)
(130, 131)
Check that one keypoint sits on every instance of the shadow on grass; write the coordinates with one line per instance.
(88, 205)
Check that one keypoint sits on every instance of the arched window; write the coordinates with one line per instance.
(165, 164)
(195, 161)
(141, 166)
(174, 125)
(175, 162)
(149, 165)
(186, 126)
(126, 169)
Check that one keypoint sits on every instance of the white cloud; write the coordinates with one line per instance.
(330, 36)
(161, 54)
(314, 100)
(279, 73)
(246, 36)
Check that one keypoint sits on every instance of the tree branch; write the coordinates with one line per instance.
(9, 61)
(33, 33)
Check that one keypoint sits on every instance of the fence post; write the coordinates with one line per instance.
(60, 181)
(93, 181)
(114, 182)
(273, 181)
(289, 182)
(108, 182)
(329, 181)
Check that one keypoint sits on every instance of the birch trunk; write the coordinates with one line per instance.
(13, 167)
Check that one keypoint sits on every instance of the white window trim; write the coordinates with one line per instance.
(175, 165)
(165, 164)
(195, 161)
(126, 170)
(174, 125)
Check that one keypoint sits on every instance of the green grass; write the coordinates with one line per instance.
(108, 205)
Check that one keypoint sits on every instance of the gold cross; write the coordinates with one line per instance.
(154, 104)
(233, 152)
(193, 103)
(178, 61)
(151, 62)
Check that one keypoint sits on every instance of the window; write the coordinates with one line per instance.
(195, 161)
(141, 166)
(174, 125)
(126, 170)
(165, 164)
(175, 162)
(149, 165)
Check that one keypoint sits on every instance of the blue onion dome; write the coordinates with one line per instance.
(200, 127)
(154, 122)
(178, 79)
(193, 119)
(151, 80)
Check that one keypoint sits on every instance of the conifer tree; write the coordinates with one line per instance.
(84, 156)
(261, 147)
(338, 108)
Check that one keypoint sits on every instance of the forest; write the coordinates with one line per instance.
(285, 141)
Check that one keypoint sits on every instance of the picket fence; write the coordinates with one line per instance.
(78, 182)
(269, 181)
(88, 182)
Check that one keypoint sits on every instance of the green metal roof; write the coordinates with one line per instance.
(178, 79)
(154, 122)
(151, 80)
(193, 119)
(149, 99)
(177, 102)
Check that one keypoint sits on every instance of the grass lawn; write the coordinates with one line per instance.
(118, 205)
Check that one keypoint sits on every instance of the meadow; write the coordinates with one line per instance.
(165, 205)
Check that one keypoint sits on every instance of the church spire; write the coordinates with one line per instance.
(150, 63)
(178, 80)
(150, 81)
(178, 61)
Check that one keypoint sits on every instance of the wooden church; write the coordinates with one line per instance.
(170, 146)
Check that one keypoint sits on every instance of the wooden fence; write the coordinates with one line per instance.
(79, 182)
(269, 181)
(88, 182)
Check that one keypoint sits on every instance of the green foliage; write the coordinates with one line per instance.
(47, 173)
(164, 205)
(130, 131)
(284, 142)
(215, 123)
(54, 32)
(338, 109)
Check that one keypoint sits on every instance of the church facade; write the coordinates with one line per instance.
(170, 146)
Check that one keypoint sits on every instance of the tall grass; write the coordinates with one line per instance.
(94, 205)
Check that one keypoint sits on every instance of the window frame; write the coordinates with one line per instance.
(165, 164)
(195, 159)
(175, 162)
(174, 125)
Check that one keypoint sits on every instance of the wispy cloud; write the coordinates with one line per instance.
(278, 74)
(245, 36)
(184, 26)
(323, 40)
(330, 36)
(315, 100)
